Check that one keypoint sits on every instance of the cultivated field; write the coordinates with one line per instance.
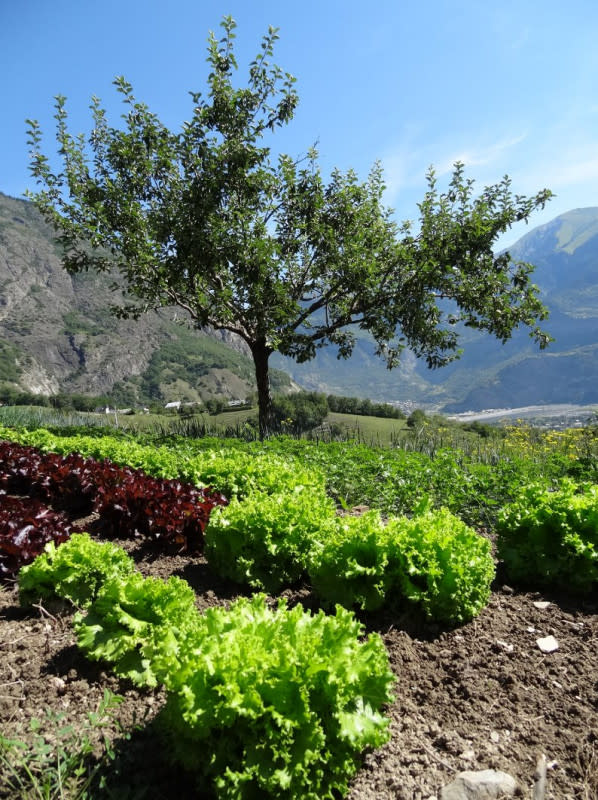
(468, 695)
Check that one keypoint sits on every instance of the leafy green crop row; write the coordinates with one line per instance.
(280, 517)
(261, 702)
(269, 539)
(232, 472)
(433, 560)
(550, 539)
(394, 481)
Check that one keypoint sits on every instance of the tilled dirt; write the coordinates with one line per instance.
(478, 697)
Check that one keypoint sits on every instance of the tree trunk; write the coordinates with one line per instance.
(261, 353)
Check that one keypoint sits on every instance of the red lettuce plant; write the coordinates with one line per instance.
(26, 527)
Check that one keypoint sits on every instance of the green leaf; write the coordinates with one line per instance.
(270, 701)
(74, 571)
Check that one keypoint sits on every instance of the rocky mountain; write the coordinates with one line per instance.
(57, 334)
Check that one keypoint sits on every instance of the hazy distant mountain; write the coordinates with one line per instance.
(565, 252)
(56, 334)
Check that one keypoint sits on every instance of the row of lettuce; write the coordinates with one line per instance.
(263, 700)
(266, 539)
(394, 480)
(128, 502)
(281, 523)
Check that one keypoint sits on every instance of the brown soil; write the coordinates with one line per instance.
(478, 697)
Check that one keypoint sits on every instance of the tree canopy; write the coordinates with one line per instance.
(207, 219)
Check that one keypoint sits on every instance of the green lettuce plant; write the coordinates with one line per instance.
(275, 702)
(550, 538)
(265, 540)
(353, 564)
(433, 559)
(442, 565)
(238, 474)
(137, 624)
(73, 571)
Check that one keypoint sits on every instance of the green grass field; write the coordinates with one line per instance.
(42, 416)
(377, 430)
(371, 430)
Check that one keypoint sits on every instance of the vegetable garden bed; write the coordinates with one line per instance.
(481, 695)
(464, 699)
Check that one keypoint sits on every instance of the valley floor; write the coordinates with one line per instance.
(567, 411)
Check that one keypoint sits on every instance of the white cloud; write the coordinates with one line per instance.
(405, 166)
(481, 156)
(571, 174)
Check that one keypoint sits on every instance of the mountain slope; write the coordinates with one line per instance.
(565, 253)
(57, 332)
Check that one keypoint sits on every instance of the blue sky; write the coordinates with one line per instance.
(506, 87)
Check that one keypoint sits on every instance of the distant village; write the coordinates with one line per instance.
(175, 405)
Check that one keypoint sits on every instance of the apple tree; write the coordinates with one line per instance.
(208, 220)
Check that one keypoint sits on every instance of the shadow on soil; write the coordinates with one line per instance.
(136, 769)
